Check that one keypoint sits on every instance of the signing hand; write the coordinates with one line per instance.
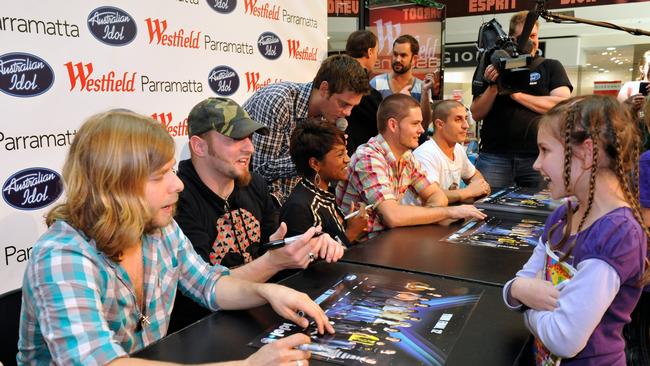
(357, 225)
(535, 293)
(288, 303)
(296, 254)
(281, 352)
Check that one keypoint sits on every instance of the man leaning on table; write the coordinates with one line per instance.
(381, 171)
(101, 281)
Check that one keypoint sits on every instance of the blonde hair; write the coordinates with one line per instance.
(110, 160)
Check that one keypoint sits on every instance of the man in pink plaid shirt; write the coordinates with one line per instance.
(382, 170)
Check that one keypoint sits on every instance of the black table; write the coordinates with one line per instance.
(422, 249)
(493, 335)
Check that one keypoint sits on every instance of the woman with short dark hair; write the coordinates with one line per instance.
(318, 151)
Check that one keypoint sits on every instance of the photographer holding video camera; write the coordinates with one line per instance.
(510, 107)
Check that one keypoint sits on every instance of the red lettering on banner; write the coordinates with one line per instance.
(420, 13)
(158, 32)
(174, 129)
(477, 6)
(254, 84)
(261, 11)
(306, 53)
(108, 82)
(343, 7)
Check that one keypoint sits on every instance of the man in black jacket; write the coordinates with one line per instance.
(225, 210)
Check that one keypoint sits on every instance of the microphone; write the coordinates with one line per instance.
(524, 44)
(342, 124)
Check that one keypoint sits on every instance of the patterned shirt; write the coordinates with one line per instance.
(79, 307)
(280, 107)
(374, 175)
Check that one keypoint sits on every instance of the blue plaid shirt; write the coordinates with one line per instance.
(279, 107)
(79, 307)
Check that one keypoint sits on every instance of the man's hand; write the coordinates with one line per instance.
(330, 249)
(427, 84)
(491, 73)
(465, 211)
(478, 188)
(296, 254)
(281, 352)
(635, 102)
(535, 293)
(291, 305)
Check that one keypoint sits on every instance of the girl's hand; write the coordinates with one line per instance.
(535, 293)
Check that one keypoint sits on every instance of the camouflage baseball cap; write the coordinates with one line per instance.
(225, 116)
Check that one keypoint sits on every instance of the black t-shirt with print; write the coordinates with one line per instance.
(225, 232)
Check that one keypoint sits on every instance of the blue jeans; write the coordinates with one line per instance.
(504, 170)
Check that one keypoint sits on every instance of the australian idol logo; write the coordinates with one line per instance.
(222, 6)
(32, 188)
(24, 75)
(112, 26)
(223, 80)
(269, 45)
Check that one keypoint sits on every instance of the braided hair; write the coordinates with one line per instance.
(611, 129)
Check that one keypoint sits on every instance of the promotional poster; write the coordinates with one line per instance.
(520, 200)
(395, 319)
(500, 232)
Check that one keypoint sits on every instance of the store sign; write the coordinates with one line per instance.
(462, 8)
(342, 8)
(461, 56)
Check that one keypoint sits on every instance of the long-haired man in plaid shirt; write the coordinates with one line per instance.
(101, 281)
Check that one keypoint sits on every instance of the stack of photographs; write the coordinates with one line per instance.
(395, 319)
(500, 232)
(520, 200)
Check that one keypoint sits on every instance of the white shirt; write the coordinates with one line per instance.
(440, 168)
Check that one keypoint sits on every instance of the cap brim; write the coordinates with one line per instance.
(247, 127)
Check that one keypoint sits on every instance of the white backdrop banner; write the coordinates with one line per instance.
(63, 61)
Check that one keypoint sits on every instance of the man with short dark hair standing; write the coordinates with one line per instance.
(337, 87)
(362, 122)
(402, 80)
(508, 133)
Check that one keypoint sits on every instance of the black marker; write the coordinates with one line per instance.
(275, 244)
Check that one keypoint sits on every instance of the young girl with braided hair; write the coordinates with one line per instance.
(588, 148)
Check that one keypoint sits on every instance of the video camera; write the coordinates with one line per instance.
(511, 59)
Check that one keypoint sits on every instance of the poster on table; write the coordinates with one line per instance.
(63, 61)
(395, 319)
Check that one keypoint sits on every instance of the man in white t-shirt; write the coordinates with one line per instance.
(443, 157)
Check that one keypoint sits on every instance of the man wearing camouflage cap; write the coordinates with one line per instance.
(225, 210)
